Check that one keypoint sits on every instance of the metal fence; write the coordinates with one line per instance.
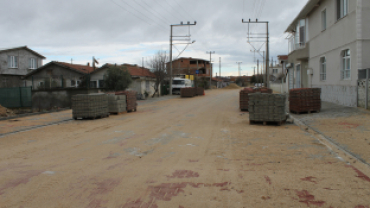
(16, 97)
(363, 88)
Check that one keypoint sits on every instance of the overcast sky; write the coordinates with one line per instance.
(124, 31)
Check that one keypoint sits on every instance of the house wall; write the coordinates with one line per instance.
(339, 35)
(11, 81)
(23, 62)
(183, 66)
(55, 73)
(98, 76)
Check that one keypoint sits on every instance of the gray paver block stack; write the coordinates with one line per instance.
(90, 106)
(117, 103)
(267, 107)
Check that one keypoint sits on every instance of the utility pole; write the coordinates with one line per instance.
(210, 70)
(171, 43)
(267, 64)
(220, 66)
(239, 68)
(258, 73)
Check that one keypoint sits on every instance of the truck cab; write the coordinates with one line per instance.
(178, 83)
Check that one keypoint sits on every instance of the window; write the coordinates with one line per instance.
(101, 83)
(346, 64)
(147, 86)
(33, 63)
(323, 19)
(342, 8)
(93, 84)
(323, 69)
(12, 61)
(275, 71)
(73, 83)
(41, 84)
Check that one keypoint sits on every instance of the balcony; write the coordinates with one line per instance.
(298, 50)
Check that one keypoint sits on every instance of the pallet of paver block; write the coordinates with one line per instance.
(188, 92)
(199, 91)
(244, 98)
(117, 104)
(131, 104)
(267, 108)
(90, 106)
(305, 100)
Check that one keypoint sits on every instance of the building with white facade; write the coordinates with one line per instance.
(329, 43)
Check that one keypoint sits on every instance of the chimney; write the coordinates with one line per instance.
(88, 63)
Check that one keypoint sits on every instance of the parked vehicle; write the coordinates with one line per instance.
(178, 83)
(258, 84)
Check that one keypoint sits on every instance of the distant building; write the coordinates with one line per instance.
(17, 62)
(189, 66)
(57, 75)
(143, 79)
(277, 71)
(329, 43)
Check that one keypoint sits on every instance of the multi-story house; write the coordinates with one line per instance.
(329, 43)
(15, 63)
(189, 66)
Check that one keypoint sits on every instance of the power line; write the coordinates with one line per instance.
(159, 14)
(184, 9)
(129, 12)
(141, 12)
(173, 8)
(161, 18)
(171, 13)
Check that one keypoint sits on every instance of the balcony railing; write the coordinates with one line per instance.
(293, 45)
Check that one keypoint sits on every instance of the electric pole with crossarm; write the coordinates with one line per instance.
(210, 69)
(171, 44)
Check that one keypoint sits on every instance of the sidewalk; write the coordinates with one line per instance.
(349, 128)
(33, 121)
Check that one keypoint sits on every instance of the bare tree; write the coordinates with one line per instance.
(158, 68)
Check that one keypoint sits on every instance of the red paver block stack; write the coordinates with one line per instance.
(188, 92)
(130, 99)
(305, 100)
(244, 98)
(199, 91)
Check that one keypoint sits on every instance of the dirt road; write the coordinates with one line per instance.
(178, 153)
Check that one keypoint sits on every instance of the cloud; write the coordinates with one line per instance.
(121, 31)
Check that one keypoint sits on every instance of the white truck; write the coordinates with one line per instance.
(180, 82)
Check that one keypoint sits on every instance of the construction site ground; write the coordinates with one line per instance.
(176, 153)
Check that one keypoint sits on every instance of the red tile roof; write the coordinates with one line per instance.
(139, 71)
(283, 57)
(82, 68)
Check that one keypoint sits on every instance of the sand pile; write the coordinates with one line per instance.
(232, 86)
(4, 112)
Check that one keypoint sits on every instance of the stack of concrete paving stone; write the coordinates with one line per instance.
(199, 91)
(263, 90)
(305, 100)
(265, 108)
(117, 104)
(244, 98)
(131, 104)
(90, 106)
(188, 92)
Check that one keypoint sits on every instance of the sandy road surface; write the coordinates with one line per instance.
(179, 153)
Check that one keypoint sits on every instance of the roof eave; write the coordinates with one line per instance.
(310, 5)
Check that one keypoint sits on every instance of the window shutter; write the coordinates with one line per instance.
(9, 61)
(30, 63)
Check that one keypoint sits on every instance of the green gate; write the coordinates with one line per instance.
(16, 97)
